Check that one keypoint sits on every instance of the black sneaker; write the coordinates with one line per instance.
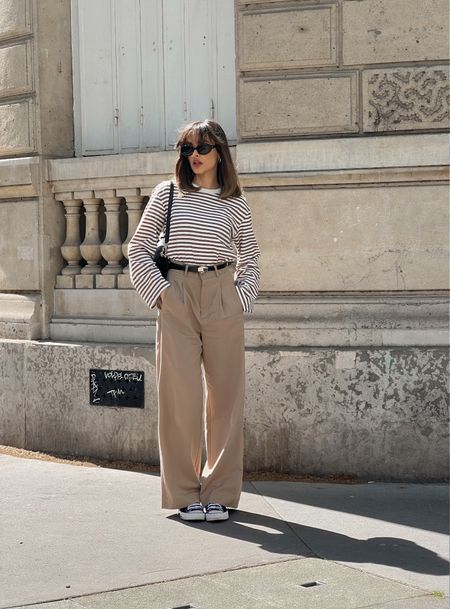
(193, 511)
(216, 511)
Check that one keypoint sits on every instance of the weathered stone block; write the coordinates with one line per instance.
(105, 281)
(304, 412)
(19, 178)
(15, 69)
(288, 38)
(19, 269)
(361, 419)
(124, 282)
(91, 303)
(14, 17)
(406, 98)
(323, 103)
(84, 281)
(376, 31)
(332, 239)
(20, 316)
(65, 281)
(12, 407)
(17, 132)
(67, 397)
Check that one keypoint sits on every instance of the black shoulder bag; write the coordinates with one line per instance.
(160, 257)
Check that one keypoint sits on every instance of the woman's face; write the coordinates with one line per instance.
(202, 164)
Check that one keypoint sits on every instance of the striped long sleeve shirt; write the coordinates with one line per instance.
(203, 230)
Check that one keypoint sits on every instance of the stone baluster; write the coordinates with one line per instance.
(111, 248)
(70, 249)
(90, 248)
(134, 203)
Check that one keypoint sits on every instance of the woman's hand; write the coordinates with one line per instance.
(163, 294)
(160, 300)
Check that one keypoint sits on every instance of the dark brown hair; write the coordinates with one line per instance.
(207, 131)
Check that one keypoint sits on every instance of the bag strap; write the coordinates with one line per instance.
(169, 212)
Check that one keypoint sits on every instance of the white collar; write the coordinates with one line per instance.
(211, 190)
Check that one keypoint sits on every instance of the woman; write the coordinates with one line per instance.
(212, 280)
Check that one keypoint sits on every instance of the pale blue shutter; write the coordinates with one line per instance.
(143, 68)
(129, 70)
(95, 91)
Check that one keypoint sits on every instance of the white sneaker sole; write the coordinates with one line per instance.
(191, 516)
(218, 516)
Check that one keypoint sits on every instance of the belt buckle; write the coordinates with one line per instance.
(202, 269)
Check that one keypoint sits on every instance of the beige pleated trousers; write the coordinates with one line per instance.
(200, 330)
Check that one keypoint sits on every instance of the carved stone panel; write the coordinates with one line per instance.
(295, 105)
(406, 98)
(288, 37)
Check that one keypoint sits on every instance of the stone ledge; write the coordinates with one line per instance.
(389, 151)
(257, 335)
(386, 176)
(294, 337)
(102, 331)
(263, 180)
(369, 308)
(412, 309)
(91, 303)
(18, 178)
(112, 165)
(20, 316)
(312, 155)
(291, 320)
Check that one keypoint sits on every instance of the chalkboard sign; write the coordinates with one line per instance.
(116, 388)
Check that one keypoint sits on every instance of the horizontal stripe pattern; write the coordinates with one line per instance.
(203, 230)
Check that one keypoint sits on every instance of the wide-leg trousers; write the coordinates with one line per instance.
(200, 343)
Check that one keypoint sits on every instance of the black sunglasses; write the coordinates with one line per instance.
(188, 149)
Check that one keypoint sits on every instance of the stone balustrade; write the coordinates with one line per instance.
(99, 226)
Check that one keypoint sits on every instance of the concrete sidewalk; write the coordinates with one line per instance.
(90, 537)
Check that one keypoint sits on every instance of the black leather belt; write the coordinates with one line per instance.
(198, 269)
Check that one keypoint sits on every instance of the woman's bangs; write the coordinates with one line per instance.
(200, 133)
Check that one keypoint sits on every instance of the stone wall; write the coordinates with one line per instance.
(376, 413)
(343, 66)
